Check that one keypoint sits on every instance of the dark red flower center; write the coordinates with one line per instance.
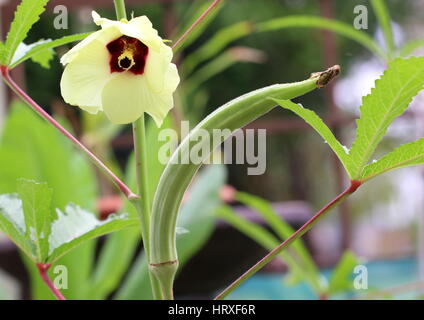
(127, 54)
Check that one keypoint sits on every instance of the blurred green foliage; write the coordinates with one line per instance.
(301, 266)
(31, 148)
(39, 153)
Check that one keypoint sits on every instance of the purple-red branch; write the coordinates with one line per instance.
(24, 96)
(196, 23)
(354, 185)
(43, 268)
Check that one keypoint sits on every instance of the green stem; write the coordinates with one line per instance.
(42, 269)
(165, 275)
(296, 235)
(141, 204)
(121, 12)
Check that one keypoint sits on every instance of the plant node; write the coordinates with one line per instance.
(164, 273)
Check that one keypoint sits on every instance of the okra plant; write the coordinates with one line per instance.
(125, 70)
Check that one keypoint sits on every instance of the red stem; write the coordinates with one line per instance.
(43, 268)
(24, 96)
(196, 23)
(300, 232)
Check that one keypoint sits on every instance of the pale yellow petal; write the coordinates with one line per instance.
(126, 97)
(121, 98)
(157, 105)
(152, 41)
(172, 79)
(157, 64)
(99, 20)
(144, 25)
(84, 78)
(144, 31)
(163, 102)
(140, 28)
(103, 36)
(92, 110)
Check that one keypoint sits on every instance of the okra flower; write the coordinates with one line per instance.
(124, 69)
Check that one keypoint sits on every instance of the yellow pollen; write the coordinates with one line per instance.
(126, 59)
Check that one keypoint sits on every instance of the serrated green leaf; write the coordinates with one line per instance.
(392, 94)
(43, 48)
(39, 152)
(75, 226)
(29, 221)
(321, 128)
(23, 49)
(26, 15)
(410, 154)
(43, 58)
(341, 278)
(2, 53)
(36, 204)
(12, 222)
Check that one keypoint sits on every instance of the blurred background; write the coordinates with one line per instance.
(380, 227)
